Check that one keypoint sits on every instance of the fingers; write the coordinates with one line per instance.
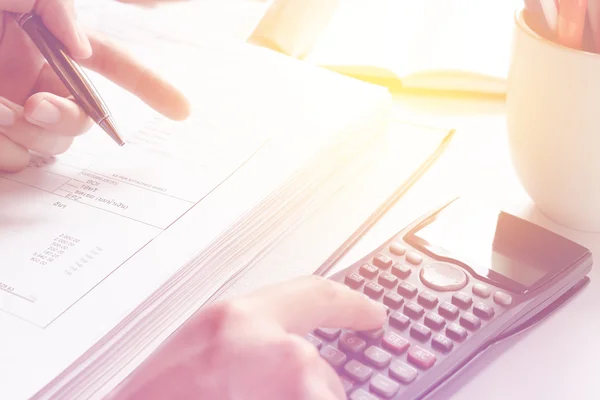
(56, 114)
(59, 17)
(13, 157)
(304, 304)
(125, 71)
(46, 125)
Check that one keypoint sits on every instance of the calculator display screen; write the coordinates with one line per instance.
(497, 246)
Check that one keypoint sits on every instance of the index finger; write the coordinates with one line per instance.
(121, 68)
(304, 304)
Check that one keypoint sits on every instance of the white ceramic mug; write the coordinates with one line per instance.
(553, 121)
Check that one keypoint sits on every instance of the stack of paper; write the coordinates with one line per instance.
(104, 251)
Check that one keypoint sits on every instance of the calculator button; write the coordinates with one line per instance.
(407, 290)
(420, 332)
(470, 321)
(351, 343)
(434, 321)
(414, 258)
(443, 277)
(383, 386)
(402, 372)
(333, 356)
(442, 343)
(395, 343)
(481, 290)
(377, 357)
(393, 300)
(504, 299)
(358, 371)
(382, 261)
(373, 290)
(362, 394)
(484, 311)
(420, 357)
(456, 332)
(373, 334)
(368, 271)
(399, 320)
(401, 271)
(388, 280)
(426, 299)
(413, 310)
(328, 333)
(354, 280)
(397, 249)
(462, 300)
(315, 341)
(346, 384)
(448, 310)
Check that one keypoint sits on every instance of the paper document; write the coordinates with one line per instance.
(51, 257)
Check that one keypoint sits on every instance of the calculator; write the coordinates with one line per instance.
(455, 281)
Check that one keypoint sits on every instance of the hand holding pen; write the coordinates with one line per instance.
(38, 112)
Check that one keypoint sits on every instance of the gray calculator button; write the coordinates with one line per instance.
(426, 299)
(373, 334)
(481, 290)
(383, 386)
(456, 332)
(434, 321)
(413, 310)
(388, 280)
(462, 300)
(351, 343)
(407, 290)
(448, 310)
(354, 280)
(362, 394)
(402, 372)
(368, 271)
(382, 261)
(333, 356)
(484, 311)
(414, 258)
(373, 290)
(399, 320)
(420, 332)
(443, 277)
(442, 343)
(397, 249)
(328, 333)
(470, 321)
(393, 300)
(377, 357)
(318, 343)
(401, 271)
(504, 299)
(358, 371)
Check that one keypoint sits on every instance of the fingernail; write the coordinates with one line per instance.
(7, 116)
(46, 113)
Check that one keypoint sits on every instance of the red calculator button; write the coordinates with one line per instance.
(420, 357)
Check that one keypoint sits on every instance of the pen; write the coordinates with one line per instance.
(70, 73)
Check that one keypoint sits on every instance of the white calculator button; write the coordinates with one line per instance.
(414, 258)
(504, 299)
(443, 277)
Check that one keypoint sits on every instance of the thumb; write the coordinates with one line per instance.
(59, 17)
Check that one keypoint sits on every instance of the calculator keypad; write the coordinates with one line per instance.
(433, 310)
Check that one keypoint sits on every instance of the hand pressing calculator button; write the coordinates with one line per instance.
(453, 281)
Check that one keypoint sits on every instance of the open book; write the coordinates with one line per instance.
(104, 250)
(461, 45)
